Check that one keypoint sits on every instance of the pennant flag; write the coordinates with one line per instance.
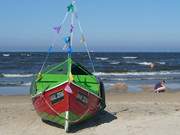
(69, 50)
(68, 89)
(57, 29)
(72, 27)
(67, 40)
(71, 77)
(82, 39)
(50, 49)
(70, 8)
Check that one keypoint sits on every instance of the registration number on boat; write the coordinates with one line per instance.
(57, 97)
(82, 98)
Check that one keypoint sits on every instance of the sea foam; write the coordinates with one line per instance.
(6, 54)
(102, 58)
(130, 57)
(17, 75)
(138, 73)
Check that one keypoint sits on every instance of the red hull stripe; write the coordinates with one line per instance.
(43, 103)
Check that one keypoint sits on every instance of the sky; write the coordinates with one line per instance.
(109, 25)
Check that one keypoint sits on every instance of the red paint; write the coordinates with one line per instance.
(69, 103)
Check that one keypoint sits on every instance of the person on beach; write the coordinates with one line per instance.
(160, 87)
(152, 65)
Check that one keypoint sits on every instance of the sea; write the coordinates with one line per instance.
(18, 68)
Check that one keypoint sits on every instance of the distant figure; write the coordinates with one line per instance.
(160, 87)
(152, 65)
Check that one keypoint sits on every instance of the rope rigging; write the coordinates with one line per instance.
(57, 29)
(72, 12)
(71, 9)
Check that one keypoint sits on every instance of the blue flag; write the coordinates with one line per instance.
(67, 40)
(50, 49)
(69, 50)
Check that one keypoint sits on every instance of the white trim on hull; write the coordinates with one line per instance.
(86, 90)
(66, 126)
(37, 94)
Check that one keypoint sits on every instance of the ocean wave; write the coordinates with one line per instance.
(6, 54)
(25, 54)
(26, 84)
(114, 62)
(145, 63)
(102, 58)
(16, 75)
(9, 84)
(138, 73)
(129, 57)
(161, 63)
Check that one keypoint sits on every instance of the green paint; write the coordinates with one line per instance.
(70, 8)
(61, 118)
(88, 82)
(55, 75)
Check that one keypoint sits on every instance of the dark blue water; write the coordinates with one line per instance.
(17, 68)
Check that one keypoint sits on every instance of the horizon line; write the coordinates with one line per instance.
(92, 52)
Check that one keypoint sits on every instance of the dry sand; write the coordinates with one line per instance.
(142, 113)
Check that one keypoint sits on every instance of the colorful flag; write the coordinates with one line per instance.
(69, 50)
(50, 49)
(70, 8)
(71, 29)
(67, 40)
(70, 77)
(68, 89)
(57, 29)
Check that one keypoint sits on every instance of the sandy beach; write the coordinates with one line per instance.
(143, 113)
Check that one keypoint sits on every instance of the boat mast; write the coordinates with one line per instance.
(72, 23)
(69, 39)
(71, 9)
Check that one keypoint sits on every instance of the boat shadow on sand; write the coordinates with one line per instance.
(100, 118)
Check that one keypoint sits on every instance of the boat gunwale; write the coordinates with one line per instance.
(40, 93)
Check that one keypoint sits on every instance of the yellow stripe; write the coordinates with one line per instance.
(70, 77)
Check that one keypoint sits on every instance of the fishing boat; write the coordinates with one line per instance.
(67, 93)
